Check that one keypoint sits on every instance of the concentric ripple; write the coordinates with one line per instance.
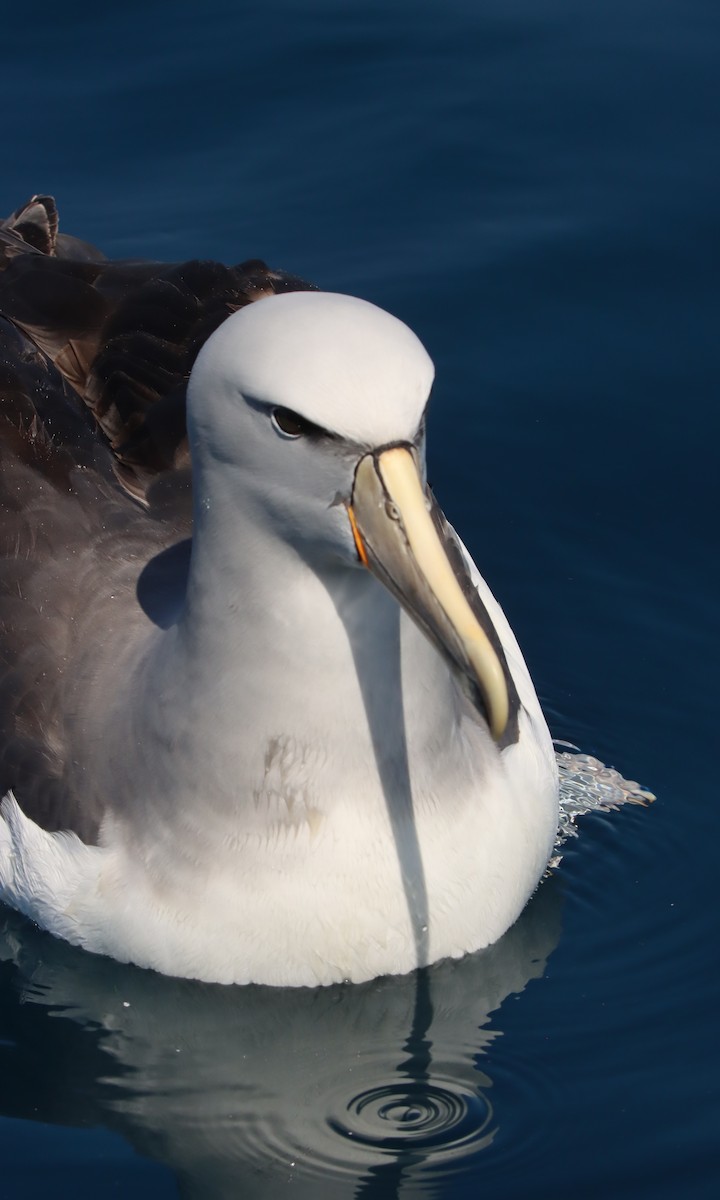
(409, 1115)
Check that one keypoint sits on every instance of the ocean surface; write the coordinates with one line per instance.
(534, 186)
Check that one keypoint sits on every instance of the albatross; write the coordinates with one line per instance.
(261, 718)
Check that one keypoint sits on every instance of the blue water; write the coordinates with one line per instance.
(534, 186)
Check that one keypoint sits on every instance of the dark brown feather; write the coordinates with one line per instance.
(35, 223)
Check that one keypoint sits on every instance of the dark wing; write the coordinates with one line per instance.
(124, 335)
(58, 495)
(95, 477)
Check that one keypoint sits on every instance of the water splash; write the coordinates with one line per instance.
(587, 785)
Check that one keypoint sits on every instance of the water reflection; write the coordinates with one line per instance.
(374, 1090)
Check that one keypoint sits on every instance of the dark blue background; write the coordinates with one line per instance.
(533, 185)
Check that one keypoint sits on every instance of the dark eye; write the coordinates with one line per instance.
(291, 424)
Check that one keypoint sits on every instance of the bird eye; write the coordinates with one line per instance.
(291, 424)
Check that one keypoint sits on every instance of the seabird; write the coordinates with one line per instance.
(261, 718)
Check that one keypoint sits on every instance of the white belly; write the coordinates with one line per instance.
(310, 896)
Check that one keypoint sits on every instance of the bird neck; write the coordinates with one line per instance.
(270, 649)
(258, 612)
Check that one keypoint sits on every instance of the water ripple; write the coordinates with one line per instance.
(442, 1116)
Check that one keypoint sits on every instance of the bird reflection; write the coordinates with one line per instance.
(363, 1091)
